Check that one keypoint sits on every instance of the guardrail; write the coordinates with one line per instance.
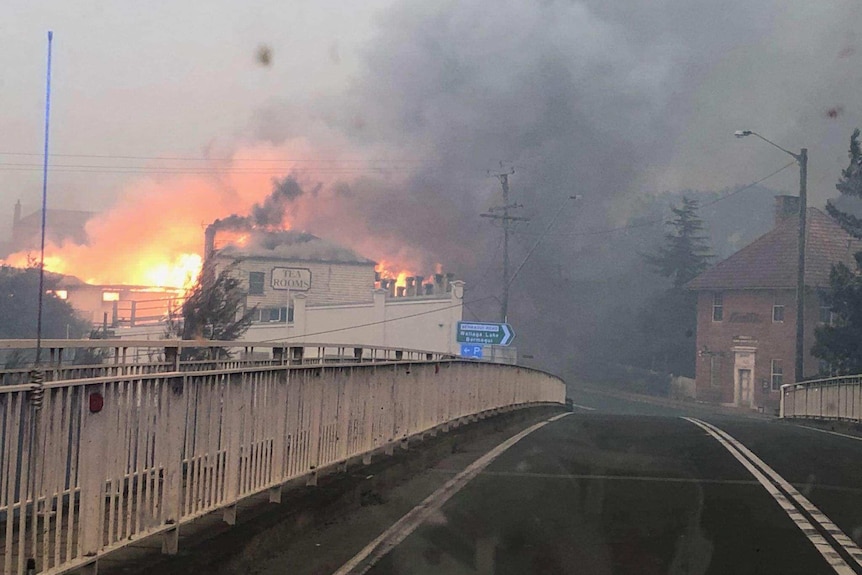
(100, 463)
(139, 357)
(832, 398)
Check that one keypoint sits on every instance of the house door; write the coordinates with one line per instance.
(745, 391)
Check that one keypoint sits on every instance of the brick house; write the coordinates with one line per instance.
(746, 308)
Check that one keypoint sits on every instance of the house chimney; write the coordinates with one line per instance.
(786, 207)
(16, 218)
(209, 241)
(411, 290)
(438, 283)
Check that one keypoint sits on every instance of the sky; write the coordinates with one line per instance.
(400, 109)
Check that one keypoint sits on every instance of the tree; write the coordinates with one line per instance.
(839, 343)
(850, 186)
(669, 320)
(213, 308)
(19, 301)
(686, 252)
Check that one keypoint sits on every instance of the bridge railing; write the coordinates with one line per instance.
(832, 398)
(99, 463)
(104, 358)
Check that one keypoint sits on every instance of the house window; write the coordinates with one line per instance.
(274, 315)
(255, 283)
(717, 307)
(777, 313)
(777, 374)
(61, 294)
(110, 296)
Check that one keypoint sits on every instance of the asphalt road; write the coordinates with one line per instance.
(630, 487)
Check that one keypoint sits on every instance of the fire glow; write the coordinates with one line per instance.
(154, 234)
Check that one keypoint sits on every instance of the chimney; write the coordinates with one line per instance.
(429, 289)
(786, 207)
(17, 217)
(209, 240)
(411, 286)
(438, 283)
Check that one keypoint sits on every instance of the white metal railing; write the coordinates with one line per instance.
(140, 357)
(107, 461)
(832, 398)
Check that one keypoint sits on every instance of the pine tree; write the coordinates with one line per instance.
(669, 320)
(686, 252)
(850, 185)
(839, 344)
(212, 308)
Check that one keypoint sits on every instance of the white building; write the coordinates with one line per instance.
(308, 290)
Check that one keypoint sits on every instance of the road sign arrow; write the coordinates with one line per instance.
(508, 334)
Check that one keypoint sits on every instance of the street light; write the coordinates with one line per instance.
(801, 159)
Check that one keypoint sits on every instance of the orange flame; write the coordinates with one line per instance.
(154, 234)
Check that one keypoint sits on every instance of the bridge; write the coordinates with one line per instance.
(102, 455)
(158, 439)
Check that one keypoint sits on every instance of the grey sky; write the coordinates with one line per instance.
(158, 78)
(634, 96)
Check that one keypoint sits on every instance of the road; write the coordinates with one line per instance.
(629, 487)
(619, 486)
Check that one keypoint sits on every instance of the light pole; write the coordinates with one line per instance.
(801, 159)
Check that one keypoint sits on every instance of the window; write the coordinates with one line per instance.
(61, 294)
(255, 283)
(777, 374)
(273, 315)
(110, 296)
(777, 313)
(717, 307)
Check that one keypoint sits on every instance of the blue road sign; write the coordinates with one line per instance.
(484, 333)
(471, 350)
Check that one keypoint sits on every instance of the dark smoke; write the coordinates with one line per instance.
(269, 214)
(593, 98)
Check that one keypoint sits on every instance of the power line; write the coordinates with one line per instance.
(203, 158)
(662, 220)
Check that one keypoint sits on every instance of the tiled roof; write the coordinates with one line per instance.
(770, 261)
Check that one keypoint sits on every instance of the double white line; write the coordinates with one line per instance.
(841, 552)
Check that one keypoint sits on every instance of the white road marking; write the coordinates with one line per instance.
(856, 437)
(760, 471)
(582, 407)
(389, 539)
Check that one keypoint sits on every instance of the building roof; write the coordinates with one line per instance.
(770, 261)
(294, 246)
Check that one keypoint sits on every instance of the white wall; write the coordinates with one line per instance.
(330, 282)
(426, 323)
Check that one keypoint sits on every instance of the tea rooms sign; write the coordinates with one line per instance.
(293, 279)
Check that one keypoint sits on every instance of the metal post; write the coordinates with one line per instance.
(800, 275)
(504, 305)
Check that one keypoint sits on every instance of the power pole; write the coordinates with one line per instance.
(506, 220)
